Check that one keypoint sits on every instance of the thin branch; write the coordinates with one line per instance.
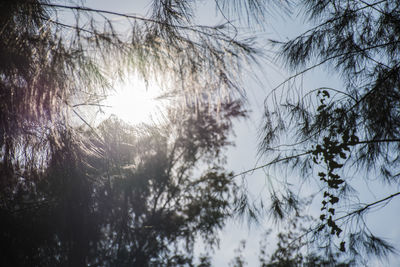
(228, 21)
(273, 162)
(135, 17)
(367, 206)
(339, 17)
(351, 108)
(375, 8)
(358, 211)
(88, 124)
(91, 104)
(311, 151)
(77, 28)
(326, 60)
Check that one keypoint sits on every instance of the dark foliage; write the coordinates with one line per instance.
(294, 249)
(76, 194)
(138, 201)
(341, 135)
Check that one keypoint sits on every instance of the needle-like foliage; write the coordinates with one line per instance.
(56, 57)
(341, 135)
(73, 193)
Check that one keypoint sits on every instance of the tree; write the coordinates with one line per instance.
(77, 194)
(159, 205)
(53, 64)
(137, 202)
(294, 249)
(340, 133)
(292, 246)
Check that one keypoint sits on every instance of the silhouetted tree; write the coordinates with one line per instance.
(293, 247)
(56, 59)
(142, 198)
(339, 135)
(74, 194)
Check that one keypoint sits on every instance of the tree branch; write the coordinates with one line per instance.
(135, 17)
(358, 211)
(273, 162)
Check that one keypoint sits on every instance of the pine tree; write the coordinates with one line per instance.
(340, 133)
(77, 194)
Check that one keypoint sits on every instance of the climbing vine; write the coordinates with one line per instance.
(330, 155)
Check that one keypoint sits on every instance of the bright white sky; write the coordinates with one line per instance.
(132, 102)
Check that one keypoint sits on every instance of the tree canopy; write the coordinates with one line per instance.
(338, 136)
(138, 201)
(76, 193)
(292, 249)
(73, 193)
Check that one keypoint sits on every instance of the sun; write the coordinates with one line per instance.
(134, 102)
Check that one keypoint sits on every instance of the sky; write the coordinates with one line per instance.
(244, 155)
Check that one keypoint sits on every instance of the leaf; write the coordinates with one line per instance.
(342, 246)
(321, 107)
(334, 200)
(332, 211)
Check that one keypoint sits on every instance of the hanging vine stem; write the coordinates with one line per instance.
(334, 149)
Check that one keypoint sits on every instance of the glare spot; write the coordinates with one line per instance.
(134, 102)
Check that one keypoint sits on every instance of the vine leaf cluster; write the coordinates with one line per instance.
(329, 156)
